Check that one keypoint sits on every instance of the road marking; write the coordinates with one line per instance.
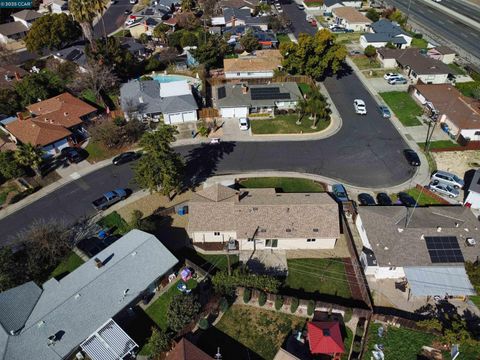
(75, 176)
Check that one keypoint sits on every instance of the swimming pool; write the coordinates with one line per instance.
(171, 78)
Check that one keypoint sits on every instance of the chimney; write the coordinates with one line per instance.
(233, 19)
(244, 89)
(20, 116)
(17, 76)
(98, 263)
(65, 113)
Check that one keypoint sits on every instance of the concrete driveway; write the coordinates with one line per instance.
(381, 85)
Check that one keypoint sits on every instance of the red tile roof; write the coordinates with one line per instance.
(185, 350)
(325, 337)
(37, 132)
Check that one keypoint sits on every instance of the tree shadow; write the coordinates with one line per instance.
(327, 298)
(136, 323)
(467, 178)
(202, 161)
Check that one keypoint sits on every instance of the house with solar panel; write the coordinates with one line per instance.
(241, 99)
(425, 247)
(80, 315)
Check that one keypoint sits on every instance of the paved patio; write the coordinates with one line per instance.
(265, 261)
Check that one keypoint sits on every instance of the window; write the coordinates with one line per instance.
(216, 233)
(311, 240)
(250, 239)
(238, 74)
(271, 243)
(477, 133)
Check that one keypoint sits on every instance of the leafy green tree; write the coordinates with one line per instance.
(160, 168)
(249, 42)
(390, 45)
(247, 295)
(187, 20)
(316, 56)
(473, 272)
(143, 38)
(262, 298)
(84, 12)
(395, 15)
(310, 307)
(373, 15)
(111, 54)
(294, 305)
(10, 101)
(159, 341)
(52, 31)
(224, 282)
(182, 310)
(212, 52)
(9, 167)
(187, 5)
(41, 86)
(29, 155)
(160, 32)
(370, 52)
(10, 270)
(301, 108)
(278, 302)
(138, 222)
(317, 106)
(189, 39)
(476, 92)
(203, 324)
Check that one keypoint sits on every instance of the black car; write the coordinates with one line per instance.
(411, 157)
(73, 155)
(125, 157)
(366, 199)
(383, 199)
(406, 199)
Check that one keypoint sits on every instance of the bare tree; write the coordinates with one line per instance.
(97, 77)
(7, 56)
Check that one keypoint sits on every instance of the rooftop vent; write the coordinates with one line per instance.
(288, 230)
(471, 241)
(134, 253)
(385, 248)
(422, 237)
(77, 296)
(466, 230)
(400, 230)
(439, 229)
(315, 230)
(98, 263)
(457, 224)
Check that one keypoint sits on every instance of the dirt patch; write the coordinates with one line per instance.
(457, 162)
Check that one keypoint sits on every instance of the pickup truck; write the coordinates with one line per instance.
(109, 198)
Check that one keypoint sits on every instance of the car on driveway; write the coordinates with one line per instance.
(360, 107)
(412, 157)
(384, 199)
(125, 157)
(73, 155)
(339, 192)
(366, 199)
(406, 199)
(444, 189)
(397, 81)
(388, 76)
(243, 124)
(448, 178)
(384, 111)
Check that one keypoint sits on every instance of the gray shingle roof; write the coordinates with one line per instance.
(475, 183)
(85, 299)
(12, 28)
(27, 15)
(383, 37)
(74, 53)
(385, 26)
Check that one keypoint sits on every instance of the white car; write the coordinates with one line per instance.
(243, 123)
(444, 189)
(133, 1)
(360, 107)
(389, 76)
(129, 22)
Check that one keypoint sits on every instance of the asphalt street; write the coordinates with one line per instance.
(298, 19)
(463, 7)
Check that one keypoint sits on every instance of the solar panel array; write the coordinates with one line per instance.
(268, 93)
(444, 249)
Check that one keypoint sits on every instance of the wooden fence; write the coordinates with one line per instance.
(276, 79)
(208, 113)
(431, 194)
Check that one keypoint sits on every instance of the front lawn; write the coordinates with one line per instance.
(67, 266)
(439, 144)
(283, 38)
(364, 62)
(347, 38)
(286, 124)
(157, 311)
(419, 43)
(98, 152)
(246, 332)
(404, 107)
(423, 199)
(377, 73)
(325, 276)
(304, 88)
(286, 185)
(457, 69)
(114, 221)
(468, 88)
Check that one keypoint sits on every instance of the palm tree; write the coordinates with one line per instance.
(300, 109)
(317, 106)
(29, 155)
(100, 6)
(84, 12)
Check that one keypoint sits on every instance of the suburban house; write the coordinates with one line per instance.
(384, 31)
(233, 17)
(416, 66)
(260, 65)
(145, 27)
(75, 54)
(173, 101)
(266, 38)
(350, 18)
(260, 219)
(426, 245)
(185, 350)
(250, 5)
(12, 31)
(442, 53)
(329, 5)
(473, 192)
(26, 17)
(9, 74)
(55, 6)
(240, 100)
(76, 313)
(457, 114)
(52, 124)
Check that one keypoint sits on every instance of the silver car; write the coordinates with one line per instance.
(448, 178)
(444, 189)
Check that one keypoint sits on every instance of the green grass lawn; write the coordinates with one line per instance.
(457, 69)
(325, 276)
(304, 88)
(439, 144)
(114, 220)
(158, 309)
(122, 33)
(5, 190)
(69, 264)
(364, 62)
(98, 152)
(283, 38)
(347, 38)
(246, 329)
(424, 198)
(419, 43)
(404, 107)
(468, 88)
(476, 300)
(218, 261)
(287, 185)
(286, 124)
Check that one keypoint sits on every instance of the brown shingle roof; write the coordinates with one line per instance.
(238, 4)
(185, 350)
(37, 132)
(265, 60)
(464, 112)
(64, 109)
(352, 15)
(418, 62)
(10, 71)
(277, 215)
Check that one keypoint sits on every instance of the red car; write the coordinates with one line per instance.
(313, 23)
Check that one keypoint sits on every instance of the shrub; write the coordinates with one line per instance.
(357, 346)
(247, 295)
(159, 341)
(224, 282)
(310, 307)
(294, 305)
(360, 330)
(278, 302)
(348, 315)
(118, 120)
(223, 304)
(262, 298)
(203, 324)
(418, 36)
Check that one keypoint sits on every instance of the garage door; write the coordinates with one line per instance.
(176, 118)
(190, 116)
(234, 112)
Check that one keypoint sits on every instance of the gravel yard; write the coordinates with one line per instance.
(457, 162)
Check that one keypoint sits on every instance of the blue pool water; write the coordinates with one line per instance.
(171, 78)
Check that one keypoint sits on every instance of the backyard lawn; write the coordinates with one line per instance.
(247, 332)
(157, 311)
(69, 264)
(325, 276)
(476, 300)
(419, 43)
(364, 62)
(468, 88)
(114, 221)
(424, 198)
(283, 38)
(404, 107)
(286, 124)
(287, 185)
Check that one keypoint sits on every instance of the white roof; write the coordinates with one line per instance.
(220, 20)
(175, 88)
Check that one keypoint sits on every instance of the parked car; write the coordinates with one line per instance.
(355, 52)
(366, 199)
(243, 123)
(406, 199)
(383, 199)
(109, 198)
(384, 111)
(300, 7)
(448, 178)
(360, 107)
(412, 157)
(313, 23)
(397, 80)
(125, 157)
(73, 155)
(132, 1)
(339, 192)
(444, 189)
(388, 76)
(127, 12)
(129, 21)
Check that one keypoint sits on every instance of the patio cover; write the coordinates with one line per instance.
(438, 280)
(109, 342)
(325, 337)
